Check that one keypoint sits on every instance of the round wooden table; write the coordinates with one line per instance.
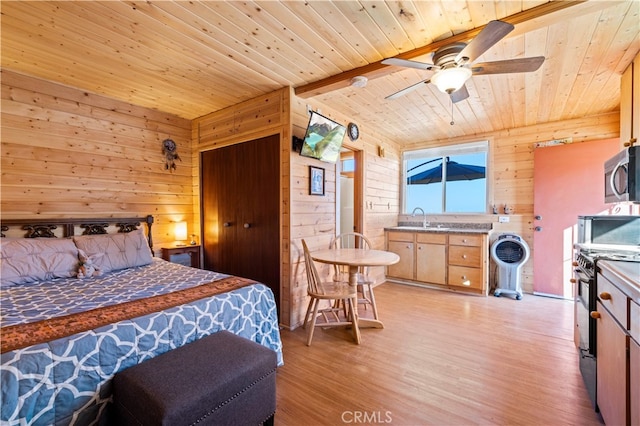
(355, 258)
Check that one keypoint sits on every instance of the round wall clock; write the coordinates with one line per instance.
(353, 130)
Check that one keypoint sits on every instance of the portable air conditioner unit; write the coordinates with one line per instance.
(510, 252)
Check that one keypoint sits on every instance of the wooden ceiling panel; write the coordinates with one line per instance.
(192, 58)
(323, 39)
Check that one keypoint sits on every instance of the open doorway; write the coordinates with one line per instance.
(349, 193)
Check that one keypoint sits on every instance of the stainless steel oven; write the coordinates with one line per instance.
(584, 276)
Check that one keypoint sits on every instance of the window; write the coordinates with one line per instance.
(348, 165)
(465, 187)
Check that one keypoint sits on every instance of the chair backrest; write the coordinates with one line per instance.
(313, 279)
(350, 240)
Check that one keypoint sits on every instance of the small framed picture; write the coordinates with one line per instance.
(316, 180)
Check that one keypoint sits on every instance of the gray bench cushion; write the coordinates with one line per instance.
(221, 379)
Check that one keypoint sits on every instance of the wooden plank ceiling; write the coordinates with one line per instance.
(194, 57)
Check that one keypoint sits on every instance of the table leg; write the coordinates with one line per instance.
(353, 284)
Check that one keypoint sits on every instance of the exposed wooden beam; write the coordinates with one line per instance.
(378, 69)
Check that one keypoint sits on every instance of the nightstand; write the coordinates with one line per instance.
(184, 255)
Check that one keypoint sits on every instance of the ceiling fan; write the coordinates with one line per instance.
(453, 64)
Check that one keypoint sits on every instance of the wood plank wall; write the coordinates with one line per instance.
(263, 116)
(313, 218)
(511, 164)
(303, 215)
(69, 153)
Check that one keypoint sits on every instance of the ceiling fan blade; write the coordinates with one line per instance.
(460, 95)
(407, 89)
(508, 66)
(492, 33)
(409, 64)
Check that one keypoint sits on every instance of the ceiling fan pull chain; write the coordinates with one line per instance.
(452, 123)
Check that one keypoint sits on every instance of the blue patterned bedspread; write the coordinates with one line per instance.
(68, 381)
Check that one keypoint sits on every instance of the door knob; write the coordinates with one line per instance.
(538, 217)
(226, 224)
(538, 228)
(247, 225)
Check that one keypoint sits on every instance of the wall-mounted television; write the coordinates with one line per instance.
(323, 138)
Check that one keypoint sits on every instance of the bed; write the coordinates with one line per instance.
(64, 335)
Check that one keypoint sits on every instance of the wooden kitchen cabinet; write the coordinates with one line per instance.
(630, 103)
(634, 362)
(431, 258)
(617, 353)
(405, 267)
(451, 260)
(612, 342)
(634, 382)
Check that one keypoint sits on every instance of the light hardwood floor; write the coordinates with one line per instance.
(442, 359)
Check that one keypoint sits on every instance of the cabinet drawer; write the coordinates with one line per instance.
(465, 240)
(465, 256)
(422, 237)
(634, 319)
(400, 236)
(613, 299)
(462, 276)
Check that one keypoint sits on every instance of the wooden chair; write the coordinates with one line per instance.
(365, 283)
(333, 292)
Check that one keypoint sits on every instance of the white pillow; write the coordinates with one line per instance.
(24, 260)
(121, 250)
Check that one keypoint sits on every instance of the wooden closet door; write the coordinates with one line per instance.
(241, 210)
(218, 168)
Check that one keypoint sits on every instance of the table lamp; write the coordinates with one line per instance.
(180, 233)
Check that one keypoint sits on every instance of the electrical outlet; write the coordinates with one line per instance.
(503, 219)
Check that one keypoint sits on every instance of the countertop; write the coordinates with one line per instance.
(625, 275)
(442, 230)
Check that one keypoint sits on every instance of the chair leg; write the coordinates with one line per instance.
(316, 302)
(306, 315)
(365, 300)
(340, 303)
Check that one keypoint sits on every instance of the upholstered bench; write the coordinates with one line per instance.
(221, 379)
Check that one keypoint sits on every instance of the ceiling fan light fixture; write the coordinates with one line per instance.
(451, 79)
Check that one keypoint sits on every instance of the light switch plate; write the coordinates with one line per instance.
(503, 219)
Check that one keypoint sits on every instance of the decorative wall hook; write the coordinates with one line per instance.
(169, 150)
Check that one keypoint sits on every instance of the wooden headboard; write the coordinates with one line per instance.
(46, 228)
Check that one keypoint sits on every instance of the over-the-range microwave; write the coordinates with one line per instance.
(622, 176)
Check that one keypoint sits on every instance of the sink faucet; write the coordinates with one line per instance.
(424, 216)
